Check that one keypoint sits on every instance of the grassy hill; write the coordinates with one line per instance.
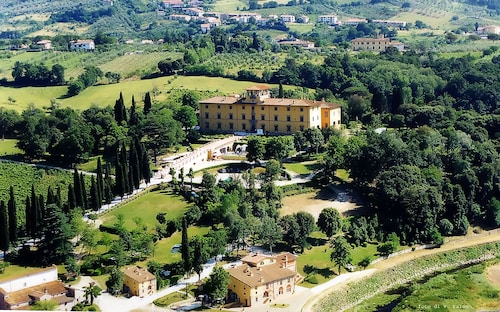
(107, 94)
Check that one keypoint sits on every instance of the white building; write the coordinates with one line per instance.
(82, 45)
(287, 18)
(329, 19)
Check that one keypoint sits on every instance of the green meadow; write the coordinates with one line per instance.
(8, 147)
(103, 95)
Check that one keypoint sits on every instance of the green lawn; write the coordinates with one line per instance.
(301, 168)
(163, 251)
(8, 147)
(146, 207)
(167, 300)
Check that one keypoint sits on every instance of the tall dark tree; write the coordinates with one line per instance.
(134, 118)
(186, 257)
(56, 246)
(147, 103)
(36, 213)
(50, 196)
(4, 228)
(108, 185)
(145, 168)
(85, 204)
(120, 111)
(71, 197)
(94, 201)
(28, 215)
(78, 188)
(12, 215)
(120, 187)
(100, 181)
(134, 167)
(58, 197)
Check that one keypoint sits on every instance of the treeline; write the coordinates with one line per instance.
(426, 182)
(66, 136)
(26, 74)
(81, 15)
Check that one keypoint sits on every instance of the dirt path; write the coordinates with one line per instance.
(493, 274)
(451, 243)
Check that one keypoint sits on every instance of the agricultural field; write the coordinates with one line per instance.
(468, 289)
(22, 176)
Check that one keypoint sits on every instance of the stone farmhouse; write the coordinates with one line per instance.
(257, 110)
(82, 45)
(20, 292)
(261, 279)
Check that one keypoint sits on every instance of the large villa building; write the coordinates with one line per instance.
(262, 278)
(257, 110)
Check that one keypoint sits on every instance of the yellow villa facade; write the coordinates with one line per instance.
(257, 110)
(138, 281)
(262, 279)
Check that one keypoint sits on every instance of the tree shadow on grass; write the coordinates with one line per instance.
(325, 272)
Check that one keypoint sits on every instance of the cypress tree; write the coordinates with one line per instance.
(281, 93)
(108, 185)
(77, 185)
(71, 197)
(85, 205)
(186, 260)
(133, 161)
(146, 169)
(119, 180)
(12, 215)
(134, 120)
(36, 212)
(99, 182)
(41, 206)
(119, 110)
(50, 196)
(58, 197)
(147, 103)
(28, 215)
(127, 187)
(4, 228)
(94, 196)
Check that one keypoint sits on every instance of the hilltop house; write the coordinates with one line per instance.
(44, 44)
(262, 278)
(20, 292)
(82, 45)
(138, 281)
(329, 19)
(257, 110)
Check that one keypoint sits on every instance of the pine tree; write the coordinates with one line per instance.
(85, 203)
(77, 185)
(147, 103)
(12, 215)
(71, 198)
(56, 232)
(4, 228)
(186, 260)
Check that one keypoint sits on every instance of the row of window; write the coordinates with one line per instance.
(244, 127)
(253, 107)
(262, 117)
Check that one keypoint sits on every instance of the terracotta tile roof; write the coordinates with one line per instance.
(221, 100)
(258, 88)
(54, 289)
(371, 40)
(138, 274)
(253, 277)
(254, 258)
